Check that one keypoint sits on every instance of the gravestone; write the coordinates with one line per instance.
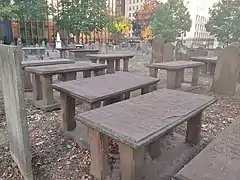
(217, 51)
(16, 118)
(181, 52)
(97, 46)
(168, 52)
(157, 49)
(227, 71)
(103, 48)
(144, 46)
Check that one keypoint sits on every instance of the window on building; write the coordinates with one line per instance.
(137, 1)
(130, 15)
(130, 8)
(133, 1)
(133, 7)
(130, 1)
(137, 7)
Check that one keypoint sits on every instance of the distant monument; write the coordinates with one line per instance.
(58, 42)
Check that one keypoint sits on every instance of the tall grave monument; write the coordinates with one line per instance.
(13, 93)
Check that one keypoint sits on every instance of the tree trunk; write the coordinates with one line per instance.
(77, 38)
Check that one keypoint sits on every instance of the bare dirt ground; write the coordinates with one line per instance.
(57, 158)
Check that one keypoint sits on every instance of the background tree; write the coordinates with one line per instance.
(7, 11)
(171, 20)
(82, 16)
(224, 21)
(120, 26)
(142, 17)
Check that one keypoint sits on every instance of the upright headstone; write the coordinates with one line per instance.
(144, 46)
(157, 50)
(217, 51)
(19, 41)
(58, 43)
(43, 43)
(97, 46)
(227, 71)
(168, 52)
(13, 90)
(103, 48)
(181, 52)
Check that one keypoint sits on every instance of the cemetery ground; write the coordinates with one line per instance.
(55, 157)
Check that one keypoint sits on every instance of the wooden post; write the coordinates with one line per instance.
(153, 72)
(68, 112)
(47, 90)
(195, 76)
(117, 65)
(67, 76)
(194, 129)
(87, 74)
(110, 66)
(99, 150)
(131, 162)
(37, 87)
(125, 65)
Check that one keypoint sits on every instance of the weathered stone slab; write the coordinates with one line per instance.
(168, 52)
(13, 90)
(227, 71)
(157, 49)
(219, 160)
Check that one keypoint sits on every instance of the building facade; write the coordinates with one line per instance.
(131, 6)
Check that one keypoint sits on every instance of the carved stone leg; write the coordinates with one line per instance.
(180, 75)
(67, 76)
(153, 72)
(131, 162)
(93, 60)
(61, 54)
(125, 65)
(205, 68)
(173, 81)
(47, 90)
(113, 100)
(110, 66)
(145, 90)
(99, 150)
(212, 68)
(127, 95)
(86, 74)
(117, 65)
(195, 76)
(154, 150)
(37, 87)
(68, 112)
(194, 129)
(101, 61)
(27, 81)
(94, 105)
